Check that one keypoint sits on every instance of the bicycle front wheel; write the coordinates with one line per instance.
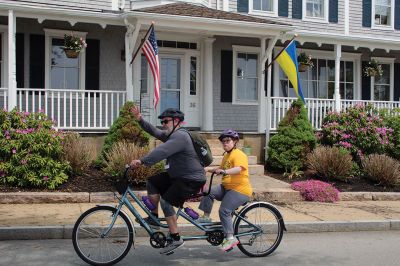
(96, 242)
(259, 228)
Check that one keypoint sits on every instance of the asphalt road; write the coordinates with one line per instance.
(351, 248)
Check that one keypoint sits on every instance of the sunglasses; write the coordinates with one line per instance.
(226, 140)
(165, 121)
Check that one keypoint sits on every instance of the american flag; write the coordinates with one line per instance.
(150, 50)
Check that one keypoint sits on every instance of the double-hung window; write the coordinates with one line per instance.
(383, 13)
(382, 86)
(245, 75)
(263, 7)
(315, 10)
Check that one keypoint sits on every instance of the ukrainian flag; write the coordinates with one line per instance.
(288, 62)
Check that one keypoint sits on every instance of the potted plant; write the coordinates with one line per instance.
(304, 62)
(246, 148)
(73, 45)
(373, 69)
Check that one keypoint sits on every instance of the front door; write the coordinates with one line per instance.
(171, 82)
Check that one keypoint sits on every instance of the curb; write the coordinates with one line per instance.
(273, 195)
(65, 231)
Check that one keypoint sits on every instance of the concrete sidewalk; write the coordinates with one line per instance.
(55, 220)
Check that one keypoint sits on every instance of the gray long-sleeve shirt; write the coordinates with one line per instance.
(182, 159)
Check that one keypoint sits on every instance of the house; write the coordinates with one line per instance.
(212, 55)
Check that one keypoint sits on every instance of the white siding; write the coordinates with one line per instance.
(84, 4)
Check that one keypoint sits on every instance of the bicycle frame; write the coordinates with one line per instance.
(205, 227)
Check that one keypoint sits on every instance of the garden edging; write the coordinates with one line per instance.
(102, 197)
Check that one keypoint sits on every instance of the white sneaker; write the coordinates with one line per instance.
(203, 219)
(229, 243)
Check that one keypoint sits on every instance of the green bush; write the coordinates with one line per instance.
(359, 129)
(331, 162)
(125, 128)
(287, 149)
(392, 121)
(121, 154)
(30, 151)
(382, 169)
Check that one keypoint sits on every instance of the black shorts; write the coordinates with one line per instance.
(175, 190)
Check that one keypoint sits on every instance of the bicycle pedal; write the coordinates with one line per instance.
(228, 250)
(169, 253)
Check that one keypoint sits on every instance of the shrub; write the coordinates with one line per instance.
(331, 162)
(125, 128)
(287, 149)
(121, 154)
(77, 152)
(359, 129)
(315, 190)
(393, 121)
(30, 151)
(382, 169)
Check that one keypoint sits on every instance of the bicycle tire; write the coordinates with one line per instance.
(269, 219)
(87, 231)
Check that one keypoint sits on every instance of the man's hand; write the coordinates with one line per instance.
(136, 112)
(136, 163)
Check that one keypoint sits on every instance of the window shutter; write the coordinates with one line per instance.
(396, 94)
(36, 61)
(226, 75)
(397, 14)
(365, 84)
(283, 7)
(19, 50)
(297, 9)
(333, 11)
(92, 69)
(367, 10)
(243, 6)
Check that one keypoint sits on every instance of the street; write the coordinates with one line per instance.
(351, 248)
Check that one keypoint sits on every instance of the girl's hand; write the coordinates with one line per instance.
(220, 171)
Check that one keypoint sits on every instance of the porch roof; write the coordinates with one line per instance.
(204, 20)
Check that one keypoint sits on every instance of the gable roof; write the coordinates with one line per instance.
(192, 10)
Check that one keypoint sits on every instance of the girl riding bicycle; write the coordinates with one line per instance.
(235, 189)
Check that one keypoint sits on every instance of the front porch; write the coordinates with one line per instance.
(95, 111)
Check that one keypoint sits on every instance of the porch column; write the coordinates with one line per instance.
(131, 79)
(261, 92)
(207, 124)
(12, 75)
(338, 55)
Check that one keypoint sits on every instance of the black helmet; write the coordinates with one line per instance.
(229, 133)
(172, 112)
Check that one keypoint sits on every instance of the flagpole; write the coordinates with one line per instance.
(142, 42)
(291, 40)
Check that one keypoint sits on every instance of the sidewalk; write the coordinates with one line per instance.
(55, 220)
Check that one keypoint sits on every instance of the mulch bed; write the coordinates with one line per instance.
(97, 181)
(356, 184)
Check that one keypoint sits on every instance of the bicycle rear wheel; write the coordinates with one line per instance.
(93, 245)
(259, 228)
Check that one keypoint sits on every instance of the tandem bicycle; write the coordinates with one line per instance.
(103, 235)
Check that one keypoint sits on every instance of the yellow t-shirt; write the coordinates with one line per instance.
(239, 182)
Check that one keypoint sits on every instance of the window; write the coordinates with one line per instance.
(381, 85)
(264, 6)
(64, 71)
(193, 75)
(1, 60)
(319, 81)
(315, 9)
(383, 13)
(245, 77)
(143, 74)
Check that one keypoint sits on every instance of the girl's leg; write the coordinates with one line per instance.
(231, 201)
(206, 204)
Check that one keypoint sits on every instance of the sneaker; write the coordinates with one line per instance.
(203, 219)
(150, 222)
(229, 243)
(171, 246)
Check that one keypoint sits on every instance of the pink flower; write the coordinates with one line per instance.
(14, 150)
(45, 178)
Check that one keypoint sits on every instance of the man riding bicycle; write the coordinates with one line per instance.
(184, 175)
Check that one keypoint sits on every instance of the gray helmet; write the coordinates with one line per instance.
(172, 112)
(229, 133)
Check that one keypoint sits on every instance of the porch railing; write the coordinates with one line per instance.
(71, 109)
(318, 108)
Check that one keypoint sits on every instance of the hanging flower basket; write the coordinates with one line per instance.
(71, 53)
(374, 69)
(73, 45)
(304, 62)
